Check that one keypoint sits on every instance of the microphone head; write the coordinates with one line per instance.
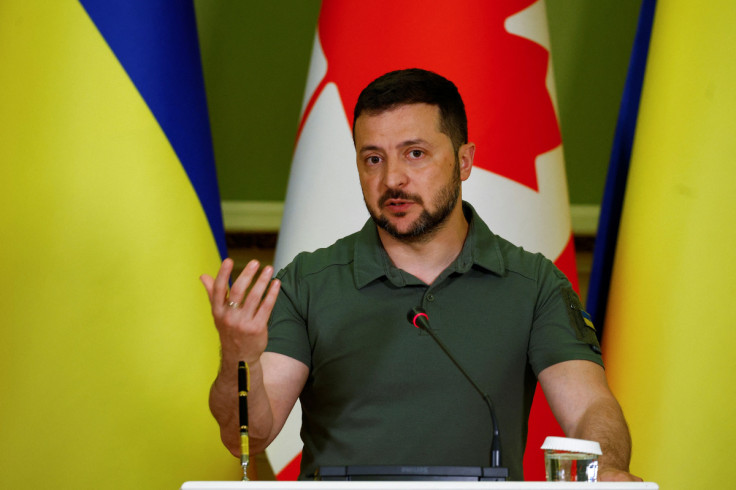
(416, 313)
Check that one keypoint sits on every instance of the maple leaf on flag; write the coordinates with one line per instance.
(501, 65)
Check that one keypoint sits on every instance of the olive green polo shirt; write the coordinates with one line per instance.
(381, 391)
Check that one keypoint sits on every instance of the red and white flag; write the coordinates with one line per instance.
(497, 53)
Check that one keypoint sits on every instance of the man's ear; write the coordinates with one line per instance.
(465, 155)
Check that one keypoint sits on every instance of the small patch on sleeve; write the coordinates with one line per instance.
(580, 320)
(587, 319)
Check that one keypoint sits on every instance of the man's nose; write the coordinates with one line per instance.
(395, 173)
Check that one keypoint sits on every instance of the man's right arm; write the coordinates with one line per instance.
(242, 325)
(275, 383)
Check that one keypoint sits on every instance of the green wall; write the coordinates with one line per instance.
(256, 55)
(591, 43)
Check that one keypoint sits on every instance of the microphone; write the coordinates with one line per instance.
(419, 318)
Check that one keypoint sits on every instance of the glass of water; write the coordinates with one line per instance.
(567, 459)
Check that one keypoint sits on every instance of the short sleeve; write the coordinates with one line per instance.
(561, 329)
(287, 328)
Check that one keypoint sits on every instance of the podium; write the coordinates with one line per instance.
(413, 485)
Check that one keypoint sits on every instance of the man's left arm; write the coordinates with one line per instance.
(579, 396)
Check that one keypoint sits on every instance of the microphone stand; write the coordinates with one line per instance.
(420, 319)
(425, 473)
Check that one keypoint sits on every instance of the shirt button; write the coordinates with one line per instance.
(430, 297)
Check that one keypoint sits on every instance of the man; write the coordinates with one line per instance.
(373, 389)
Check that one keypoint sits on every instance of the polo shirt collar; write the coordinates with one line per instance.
(371, 262)
(482, 245)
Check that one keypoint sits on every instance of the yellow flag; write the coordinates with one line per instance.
(107, 347)
(670, 333)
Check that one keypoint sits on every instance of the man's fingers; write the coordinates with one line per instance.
(220, 286)
(208, 282)
(264, 312)
(240, 286)
(256, 292)
(616, 475)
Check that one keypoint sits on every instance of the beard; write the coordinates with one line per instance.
(428, 223)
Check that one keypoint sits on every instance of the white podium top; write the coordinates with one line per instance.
(413, 485)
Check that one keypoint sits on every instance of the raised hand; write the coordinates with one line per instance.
(242, 319)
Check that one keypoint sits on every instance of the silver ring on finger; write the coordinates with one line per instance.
(233, 304)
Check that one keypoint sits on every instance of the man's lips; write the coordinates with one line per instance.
(397, 205)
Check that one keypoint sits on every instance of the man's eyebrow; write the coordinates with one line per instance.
(369, 148)
(403, 144)
(418, 141)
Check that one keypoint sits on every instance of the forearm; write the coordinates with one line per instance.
(604, 422)
(584, 406)
(224, 406)
(242, 324)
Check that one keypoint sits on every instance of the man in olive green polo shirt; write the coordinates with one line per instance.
(373, 389)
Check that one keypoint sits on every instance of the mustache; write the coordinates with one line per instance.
(398, 194)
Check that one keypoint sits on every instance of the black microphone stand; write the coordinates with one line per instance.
(419, 318)
(425, 473)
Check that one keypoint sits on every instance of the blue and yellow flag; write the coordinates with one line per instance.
(110, 212)
(669, 332)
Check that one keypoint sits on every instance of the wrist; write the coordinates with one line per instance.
(229, 365)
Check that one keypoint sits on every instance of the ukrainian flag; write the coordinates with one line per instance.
(110, 212)
(669, 332)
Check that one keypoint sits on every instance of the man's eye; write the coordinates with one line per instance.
(374, 160)
(416, 153)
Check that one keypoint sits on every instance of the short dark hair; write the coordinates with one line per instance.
(416, 86)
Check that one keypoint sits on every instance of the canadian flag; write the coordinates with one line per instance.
(497, 53)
